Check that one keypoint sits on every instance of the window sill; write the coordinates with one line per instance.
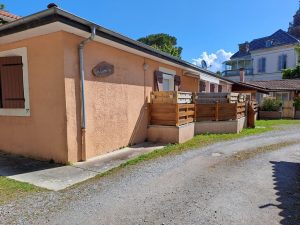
(15, 112)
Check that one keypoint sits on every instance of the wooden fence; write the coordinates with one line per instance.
(220, 111)
(171, 114)
(171, 97)
(211, 98)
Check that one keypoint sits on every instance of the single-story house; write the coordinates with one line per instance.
(72, 90)
(284, 90)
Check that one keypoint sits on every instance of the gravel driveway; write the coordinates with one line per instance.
(207, 186)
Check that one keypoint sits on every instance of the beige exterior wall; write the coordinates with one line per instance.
(41, 135)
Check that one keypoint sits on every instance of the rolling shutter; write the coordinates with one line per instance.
(12, 89)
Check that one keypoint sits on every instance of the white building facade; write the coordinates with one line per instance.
(265, 58)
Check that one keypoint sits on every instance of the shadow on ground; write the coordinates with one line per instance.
(286, 176)
(11, 165)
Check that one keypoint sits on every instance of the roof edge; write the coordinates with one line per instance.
(55, 14)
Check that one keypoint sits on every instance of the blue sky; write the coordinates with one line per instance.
(199, 25)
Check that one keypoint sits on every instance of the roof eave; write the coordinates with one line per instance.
(55, 14)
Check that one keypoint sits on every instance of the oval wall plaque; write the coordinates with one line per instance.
(103, 69)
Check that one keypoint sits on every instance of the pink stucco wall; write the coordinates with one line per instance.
(43, 134)
(116, 105)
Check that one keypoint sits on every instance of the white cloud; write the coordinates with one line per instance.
(214, 61)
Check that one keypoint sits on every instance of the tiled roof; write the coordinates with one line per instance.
(279, 38)
(4, 14)
(277, 85)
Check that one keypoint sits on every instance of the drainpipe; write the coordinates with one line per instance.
(82, 79)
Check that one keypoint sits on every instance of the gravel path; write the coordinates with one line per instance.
(206, 186)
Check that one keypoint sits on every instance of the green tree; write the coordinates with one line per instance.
(297, 49)
(293, 73)
(2, 7)
(163, 42)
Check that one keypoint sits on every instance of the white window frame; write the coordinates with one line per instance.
(26, 111)
(281, 94)
(170, 76)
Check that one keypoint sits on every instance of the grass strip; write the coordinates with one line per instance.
(200, 141)
(11, 189)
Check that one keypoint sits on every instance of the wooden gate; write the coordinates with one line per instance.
(288, 110)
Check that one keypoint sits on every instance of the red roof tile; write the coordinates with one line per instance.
(9, 15)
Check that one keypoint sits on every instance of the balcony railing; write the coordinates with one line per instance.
(236, 72)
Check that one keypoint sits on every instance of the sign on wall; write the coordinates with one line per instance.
(103, 69)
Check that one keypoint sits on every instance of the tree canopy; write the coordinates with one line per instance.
(2, 6)
(163, 42)
(293, 73)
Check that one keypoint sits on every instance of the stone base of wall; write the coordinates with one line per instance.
(269, 115)
(297, 115)
(171, 134)
(220, 127)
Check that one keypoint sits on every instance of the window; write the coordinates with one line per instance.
(269, 43)
(14, 90)
(212, 88)
(262, 65)
(220, 88)
(202, 85)
(283, 96)
(282, 62)
(168, 82)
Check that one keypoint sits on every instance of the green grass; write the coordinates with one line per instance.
(11, 189)
(202, 141)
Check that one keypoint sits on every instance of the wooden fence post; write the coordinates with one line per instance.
(177, 114)
(217, 111)
(236, 110)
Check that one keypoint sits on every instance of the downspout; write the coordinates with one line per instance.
(82, 90)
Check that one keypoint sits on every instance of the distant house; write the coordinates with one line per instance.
(284, 90)
(265, 58)
(50, 110)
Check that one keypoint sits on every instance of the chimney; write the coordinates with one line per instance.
(242, 75)
(244, 47)
(52, 5)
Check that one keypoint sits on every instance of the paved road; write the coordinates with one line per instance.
(208, 186)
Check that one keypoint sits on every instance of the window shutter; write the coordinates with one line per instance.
(264, 65)
(177, 80)
(202, 86)
(220, 88)
(212, 88)
(12, 89)
(158, 76)
(279, 63)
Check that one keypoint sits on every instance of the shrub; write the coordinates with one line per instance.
(291, 73)
(270, 104)
(297, 103)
